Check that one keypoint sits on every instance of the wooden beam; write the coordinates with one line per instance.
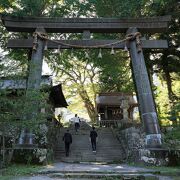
(28, 43)
(95, 25)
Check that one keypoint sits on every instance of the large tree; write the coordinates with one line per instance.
(80, 75)
(167, 62)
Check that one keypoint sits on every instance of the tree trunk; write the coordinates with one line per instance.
(168, 80)
(88, 104)
(169, 86)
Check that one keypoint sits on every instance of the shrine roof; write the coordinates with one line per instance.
(56, 95)
(114, 98)
(20, 83)
(115, 94)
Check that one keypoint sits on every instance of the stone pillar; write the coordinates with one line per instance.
(125, 106)
(33, 87)
(105, 113)
(144, 93)
(21, 138)
(35, 70)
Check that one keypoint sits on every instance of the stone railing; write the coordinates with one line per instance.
(109, 123)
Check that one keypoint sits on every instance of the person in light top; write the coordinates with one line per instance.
(76, 121)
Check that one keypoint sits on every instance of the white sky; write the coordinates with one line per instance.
(45, 69)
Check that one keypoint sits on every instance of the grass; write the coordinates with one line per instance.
(163, 170)
(16, 170)
(166, 170)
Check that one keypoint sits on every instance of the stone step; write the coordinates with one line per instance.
(90, 155)
(89, 159)
(81, 141)
(80, 175)
(72, 155)
(86, 145)
(89, 148)
(100, 148)
(86, 139)
(99, 153)
(86, 135)
(120, 155)
(81, 149)
(89, 151)
(77, 160)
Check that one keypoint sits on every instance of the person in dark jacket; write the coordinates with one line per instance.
(93, 138)
(67, 138)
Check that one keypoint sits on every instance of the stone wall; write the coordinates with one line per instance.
(132, 140)
(133, 143)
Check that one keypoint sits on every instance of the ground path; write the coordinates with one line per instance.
(87, 171)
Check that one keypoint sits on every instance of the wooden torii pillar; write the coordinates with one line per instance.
(101, 25)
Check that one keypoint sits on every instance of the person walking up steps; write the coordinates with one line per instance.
(76, 122)
(67, 138)
(93, 138)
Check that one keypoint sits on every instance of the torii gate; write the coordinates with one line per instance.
(132, 28)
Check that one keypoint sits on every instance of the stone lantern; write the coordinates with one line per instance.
(125, 105)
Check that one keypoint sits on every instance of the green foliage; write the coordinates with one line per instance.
(78, 76)
(9, 106)
(163, 170)
(16, 105)
(21, 170)
(116, 8)
(168, 112)
(24, 7)
(115, 73)
(172, 139)
(167, 62)
(48, 8)
(19, 111)
(174, 134)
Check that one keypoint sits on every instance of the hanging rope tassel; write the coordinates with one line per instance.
(100, 54)
(112, 51)
(87, 55)
(45, 47)
(59, 50)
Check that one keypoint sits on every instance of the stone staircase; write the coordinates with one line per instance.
(109, 148)
(96, 171)
(101, 176)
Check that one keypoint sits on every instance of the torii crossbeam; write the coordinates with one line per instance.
(132, 28)
(78, 25)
